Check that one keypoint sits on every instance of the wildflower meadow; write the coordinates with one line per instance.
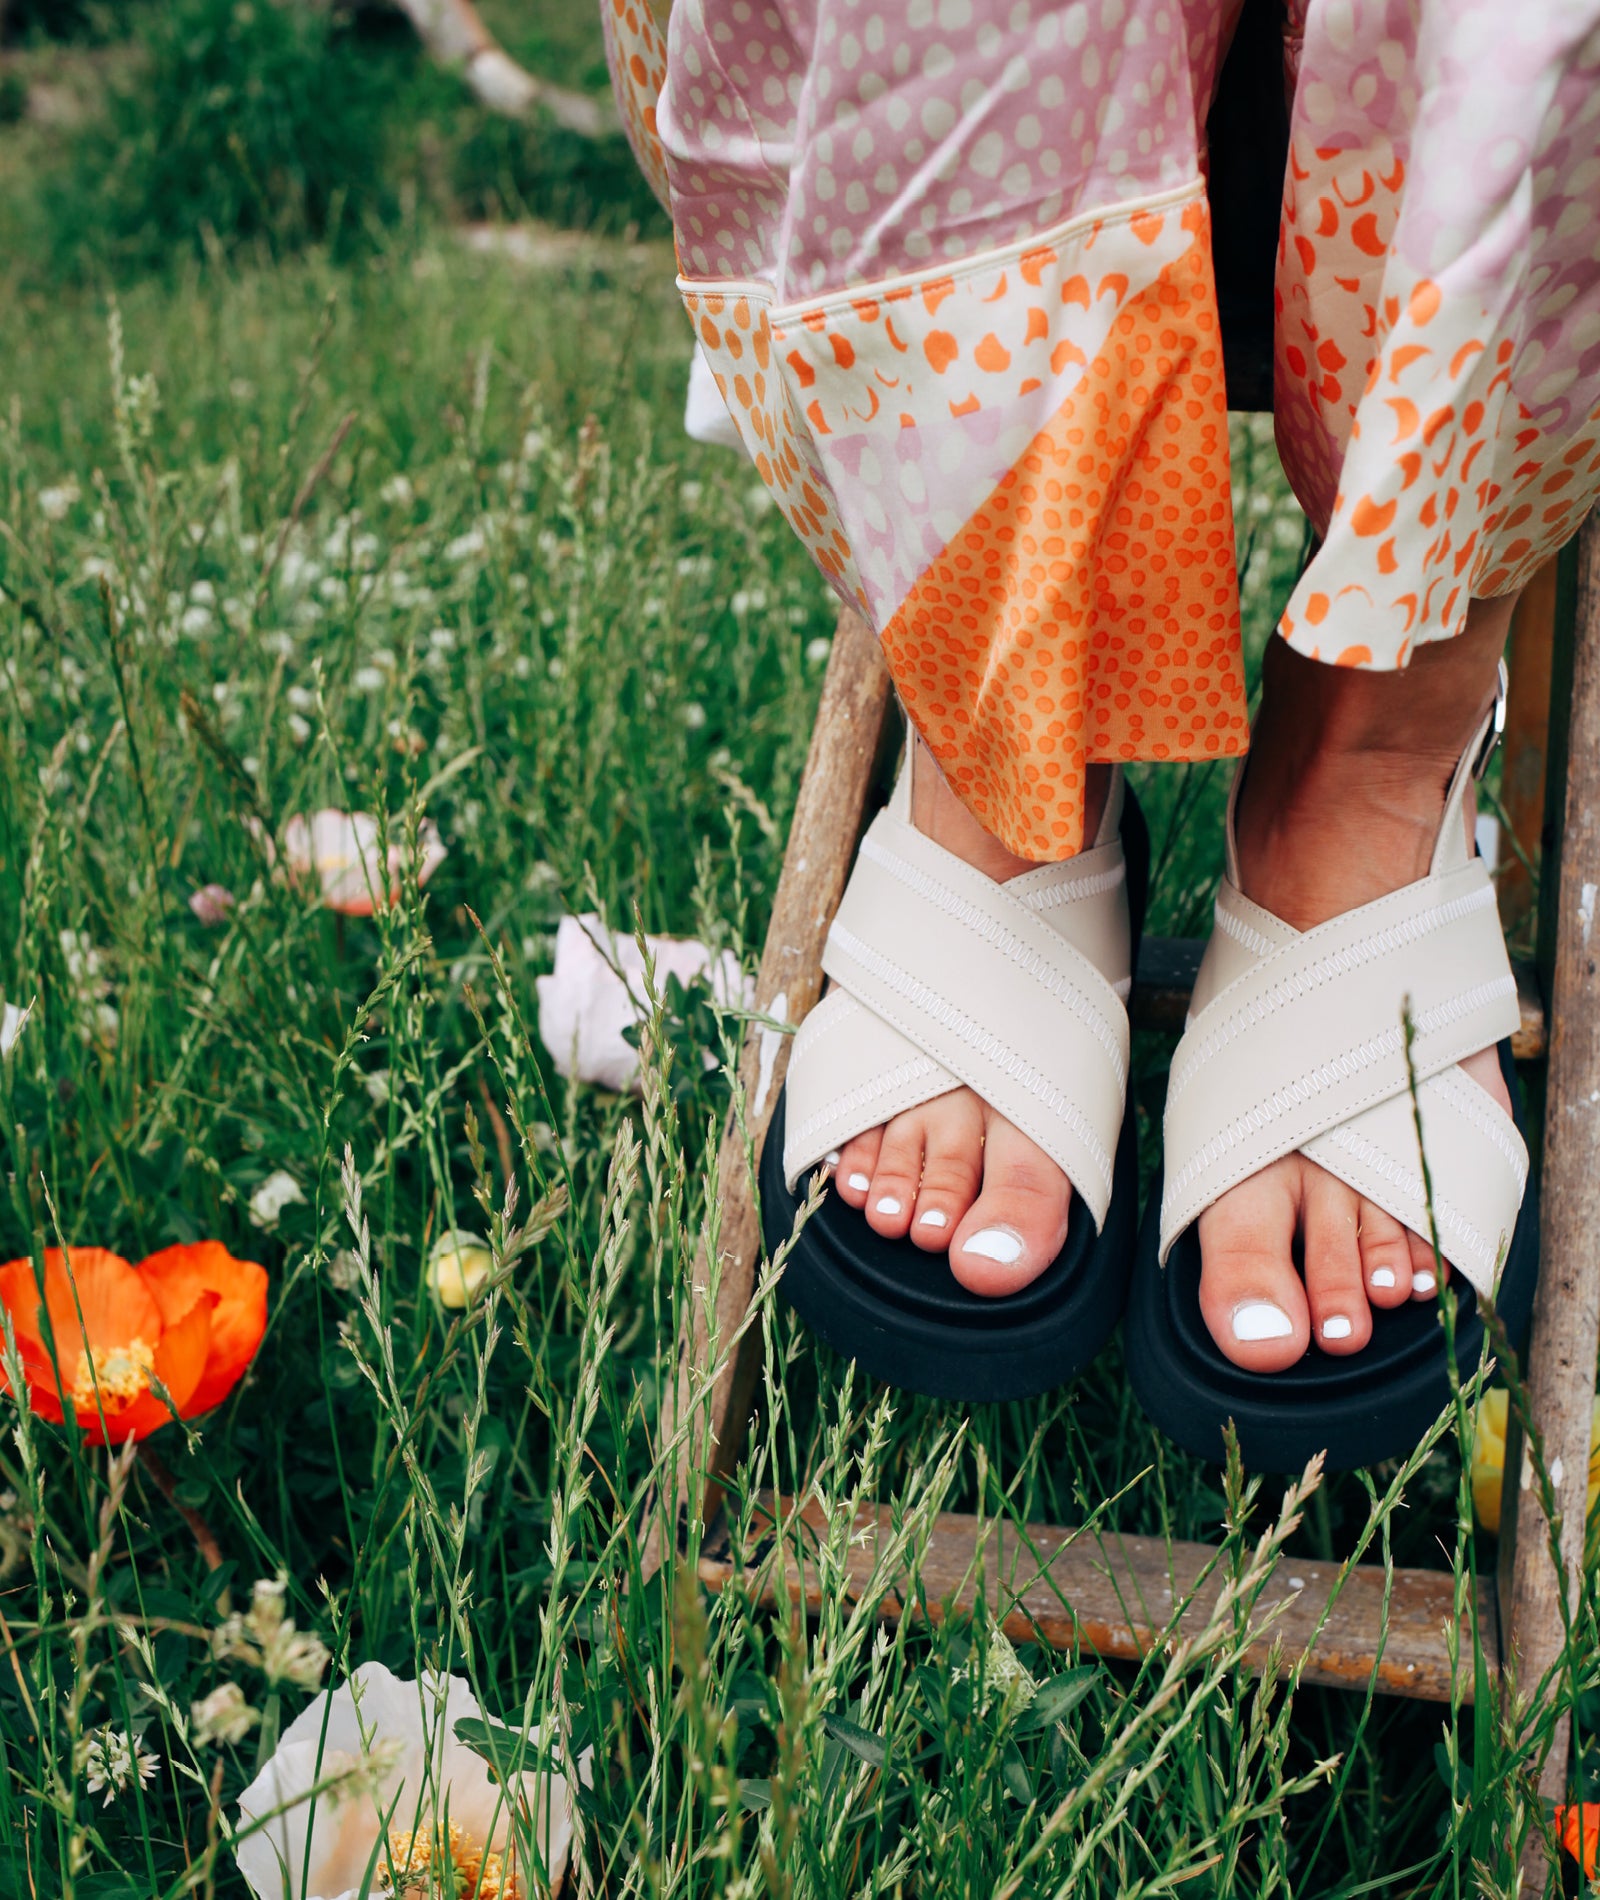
(365, 624)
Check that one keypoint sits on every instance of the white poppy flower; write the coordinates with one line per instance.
(585, 1005)
(458, 1265)
(340, 850)
(408, 1795)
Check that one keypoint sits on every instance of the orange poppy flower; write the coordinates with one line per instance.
(1579, 1829)
(188, 1319)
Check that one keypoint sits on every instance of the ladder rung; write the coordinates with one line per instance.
(1115, 1595)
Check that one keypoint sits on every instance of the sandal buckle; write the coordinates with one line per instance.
(1497, 726)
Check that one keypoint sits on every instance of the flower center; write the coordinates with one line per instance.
(416, 1864)
(120, 1373)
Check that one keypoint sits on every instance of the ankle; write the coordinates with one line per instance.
(939, 814)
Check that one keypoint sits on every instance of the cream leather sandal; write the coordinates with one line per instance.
(942, 977)
(1295, 1041)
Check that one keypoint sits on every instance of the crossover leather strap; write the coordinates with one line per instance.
(943, 977)
(1296, 1041)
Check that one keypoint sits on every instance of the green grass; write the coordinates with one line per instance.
(425, 535)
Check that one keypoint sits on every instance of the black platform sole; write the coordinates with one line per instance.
(902, 1315)
(1376, 1404)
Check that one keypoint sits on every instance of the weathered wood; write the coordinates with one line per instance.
(1115, 1596)
(1168, 967)
(1526, 742)
(828, 816)
(1566, 1316)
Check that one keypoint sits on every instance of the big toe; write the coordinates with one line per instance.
(1018, 1223)
(1251, 1298)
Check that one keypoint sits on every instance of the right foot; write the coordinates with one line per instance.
(954, 1176)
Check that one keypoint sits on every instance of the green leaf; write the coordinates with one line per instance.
(755, 1795)
(504, 1749)
(861, 1742)
(1056, 1699)
(1015, 1775)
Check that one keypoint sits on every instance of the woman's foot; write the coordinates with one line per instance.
(953, 1176)
(1341, 804)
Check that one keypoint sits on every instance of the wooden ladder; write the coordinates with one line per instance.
(1114, 1595)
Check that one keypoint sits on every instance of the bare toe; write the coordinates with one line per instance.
(852, 1174)
(1017, 1225)
(1385, 1256)
(1424, 1274)
(1341, 1321)
(952, 1166)
(894, 1180)
(1250, 1295)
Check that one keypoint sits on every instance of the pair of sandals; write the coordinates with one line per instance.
(1296, 1041)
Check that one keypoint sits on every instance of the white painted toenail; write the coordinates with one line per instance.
(1423, 1282)
(860, 1183)
(888, 1205)
(1338, 1327)
(1260, 1319)
(831, 1158)
(1383, 1276)
(935, 1217)
(995, 1243)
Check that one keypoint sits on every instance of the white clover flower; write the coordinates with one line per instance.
(223, 1718)
(458, 1265)
(817, 651)
(367, 679)
(344, 1271)
(398, 492)
(55, 502)
(465, 546)
(212, 904)
(97, 568)
(415, 1801)
(196, 620)
(694, 715)
(265, 1637)
(113, 1760)
(278, 1191)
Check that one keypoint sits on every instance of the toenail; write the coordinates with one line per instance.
(888, 1205)
(831, 1158)
(1336, 1327)
(935, 1217)
(1260, 1319)
(1383, 1276)
(1423, 1282)
(860, 1183)
(995, 1243)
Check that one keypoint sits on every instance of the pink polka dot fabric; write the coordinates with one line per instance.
(949, 260)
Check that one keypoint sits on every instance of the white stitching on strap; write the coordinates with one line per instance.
(1307, 1087)
(1342, 962)
(984, 1042)
(1409, 1182)
(863, 1097)
(1241, 932)
(1053, 896)
(994, 933)
(1470, 1101)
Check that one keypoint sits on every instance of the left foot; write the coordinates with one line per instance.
(1323, 827)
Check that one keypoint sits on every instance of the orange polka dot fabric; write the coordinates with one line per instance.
(1088, 610)
(1438, 312)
